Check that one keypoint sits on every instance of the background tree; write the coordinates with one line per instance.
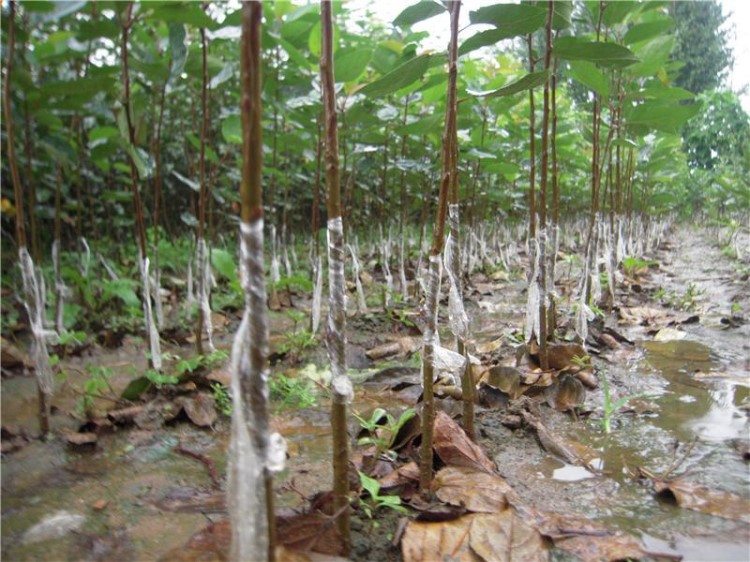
(701, 44)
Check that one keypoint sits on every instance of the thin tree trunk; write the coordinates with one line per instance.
(203, 268)
(33, 295)
(438, 236)
(543, 328)
(140, 226)
(341, 387)
(254, 454)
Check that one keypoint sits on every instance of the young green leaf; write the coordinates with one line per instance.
(527, 82)
(514, 19)
(418, 12)
(600, 52)
(400, 77)
(587, 74)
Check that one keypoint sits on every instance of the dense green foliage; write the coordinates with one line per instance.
(72, 140)
(701, 45)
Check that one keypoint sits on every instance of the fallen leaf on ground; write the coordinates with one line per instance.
(402, 346)
(497, 537)
(477, 491)
(670, 334)
(588, 540)
(446, 540)
(200, 409)
(505, 537)
(402, 475)
(12, 357)
(490, 346)
(701, 498)
(602, 548)
(81, 439)
(565, 393)
(193, 500)
(455, 448)
(569, 451)
(312, 531)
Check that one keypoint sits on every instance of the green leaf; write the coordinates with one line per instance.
(422, 126)
(190, 13)
(371, 485)
(484, 39)
(136, 388)
(480, 155)
(648, 30)
(654, 55)
(418, 12)
(121, 289)
(98, 134)
(59, 9)
(348, 64)
(562, 15)
(527, 82)
(225, 74)
(600, 52)
(587, 74)
(223, 262)
(661, 115)
(615, 12)
(178, 50)
(88, 86)
(194, 185)
(662, 93)
(514, 19)
(231, 129)
(400, 77)
(143, 162)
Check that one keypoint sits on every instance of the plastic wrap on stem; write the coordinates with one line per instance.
(336, 326)
(429, 309)
(457, 319)
(153, 334)
(402, 273)
(361, 304)
(387, 274)
(156, 294)
(317, 294)
(204, 290)
(34, 304)
(86, 260)
(246, 495)
(275, 273)
(60, 288)
(531, 324)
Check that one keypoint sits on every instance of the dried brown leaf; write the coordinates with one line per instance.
(200, 409)
(505, 537)
(701, 498)
(426, 542)
(586, 539)
(477, 491)
(455, 448)
(312, 531)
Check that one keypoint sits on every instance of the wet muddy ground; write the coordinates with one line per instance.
(134, 496)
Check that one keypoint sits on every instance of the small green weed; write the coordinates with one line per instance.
(94, 387)
(222, 398)
(376, 501)
(291, 392)
(383, 435)
(611, 408)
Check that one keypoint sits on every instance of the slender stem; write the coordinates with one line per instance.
(336, 334)
(543, 328)
(438, 236)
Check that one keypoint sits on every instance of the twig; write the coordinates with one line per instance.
(207, 462)
(676, 464)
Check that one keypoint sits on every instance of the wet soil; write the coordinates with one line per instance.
(141, 499)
